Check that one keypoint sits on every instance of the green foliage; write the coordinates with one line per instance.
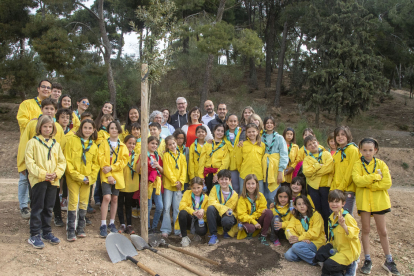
(321, 135)
(249, 44)
(215, 37)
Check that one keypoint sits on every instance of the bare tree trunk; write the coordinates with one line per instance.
(120, 42)
(21, 56)
(270, 35)
(280, 64)
(140, 45)
(400, 78)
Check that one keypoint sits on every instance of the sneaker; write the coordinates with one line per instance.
(97, 204)
(70, 235)
(391, 267)
(112, 228)
(50, 238)
(25, 213)
(185, 242)
(226, 235)
(64, 204)
(129, 230)
(122, 229)
(80, 233)
(352, 269)
(103, 231)
(135, 213)
(151, 231)
(36, 241)
(276, 242)
(320, 264)
(249, 237)
(366, 268)
(58, 222)
(164, 235)
(213, 240)
(197, 238)
(88, 221)
(263, 240)
(90, 210)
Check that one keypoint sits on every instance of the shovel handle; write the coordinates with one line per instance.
(195, 271)
(192, 254)
(143, 267)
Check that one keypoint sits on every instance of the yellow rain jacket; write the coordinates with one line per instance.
(249, 159)
(318, 174)
(315, 233)
(272, 170)
(302, 154)
(102, 136)
(342, 178)
(28, 110)
(65, 139)
(173, 174)
(193, 162)
(75, 122)
(186, 204)
(372, 191)
(284, 214)
(36, 159)
(232, 149)
(244, 209)
(292, 161)
(220, 159)
(131, 176)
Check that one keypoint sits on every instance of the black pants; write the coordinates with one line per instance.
(214, 219)
(125, 199)
(56, 209)
(185, 219)
(276, 234)
(43, 199)
(64, 187)
(209, 182)
(320, 199)
(330, 267)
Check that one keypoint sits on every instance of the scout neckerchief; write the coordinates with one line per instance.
(363, 164)
(269, 148)
(131, 164)
(253, 205)
(289, 148)
(77, 114)
(198, 205)
(305, 223)
(84, 151)
(181, 149)
(66, 131)
(280, 215)
(103, 128)
(332, 227)
(218, 191)
(38, 103)
(195, 149)
(235, 135)
(306, 151)
(112, 150)
(139, 140)
(175, 159)
(159, 143)
(343, 155)
(219, 147)
(49, 148)
(319, 159)
(156, 158)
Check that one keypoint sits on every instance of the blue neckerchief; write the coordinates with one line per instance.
(253, 205)
(131, 164)
(49, 148)
(113, 151)
(139, 140)
(77, 114)
(183, 147)
(236, 131)
(38, 103)
(219, 147)
(305, 223)
(218, 191)
(195, 149)
(103, 128)
(363, 164)
(156, 157)
(332, 227)
(84, 151)
(342, 150)
(269, 148)
(176, 160)
(280, 215)
(197, 206)
(66, 131)
(319, 159)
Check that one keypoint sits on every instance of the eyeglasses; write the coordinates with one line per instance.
(85, 102)
(45, 87)
(181, 103)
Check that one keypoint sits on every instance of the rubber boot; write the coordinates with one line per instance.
(80, 231)
(70, 232)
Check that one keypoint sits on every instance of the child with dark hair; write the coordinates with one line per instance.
(281, 214)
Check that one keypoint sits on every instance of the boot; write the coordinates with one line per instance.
(70, 232)
(80, 231)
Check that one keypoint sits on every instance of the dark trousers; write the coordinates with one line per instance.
(185, 219)
(56, 209)
(214, 219)
(209, 182)
(97, 196)
(330, 267)
(42, 200)
(264, 220)
(276, 234)
(64, 187)
(320, 199)
(125, 199)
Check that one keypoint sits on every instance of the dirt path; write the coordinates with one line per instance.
(89, 257)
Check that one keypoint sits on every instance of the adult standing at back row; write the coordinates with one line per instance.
(180, 118)
(220, 119)
(211, 115)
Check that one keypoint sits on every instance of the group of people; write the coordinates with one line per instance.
(217, 174)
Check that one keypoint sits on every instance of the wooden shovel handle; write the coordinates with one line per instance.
(143, 267)
(195, 271)
(193, 254)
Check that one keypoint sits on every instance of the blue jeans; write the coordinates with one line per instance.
(158, 210)
(235, 180)
(173, 198)
(270, 196)
(23, 190)
(241, 183)
(301, 251)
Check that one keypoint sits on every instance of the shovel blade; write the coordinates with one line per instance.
(138, 242)
(113, 242)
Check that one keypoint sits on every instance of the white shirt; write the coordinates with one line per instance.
(206, 118)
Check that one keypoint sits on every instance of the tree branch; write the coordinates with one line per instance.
(88, 9)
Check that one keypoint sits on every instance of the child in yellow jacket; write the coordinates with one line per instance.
(343, 246)
(249, 155)
(344, 159)
(282, 213)
(195, 152)
(103, 133)
(133, 116)
(318, 169)
(290, 138)
(193, 212)
(214, 158)
(221, 211)
(45, 164)
(372, 179)
(252, 211)
(175, 171)
(306, 232)
(298, 188)
(131, 178)
(113, 157)
(82, 169)
(232, 138)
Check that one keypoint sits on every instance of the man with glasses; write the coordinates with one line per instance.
(179, 119)
(28, 110)
(220, 119)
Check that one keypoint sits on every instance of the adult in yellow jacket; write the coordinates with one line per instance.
(82, 169)
(305, 231)
(221, 211)
(232, 138)
(175, 173)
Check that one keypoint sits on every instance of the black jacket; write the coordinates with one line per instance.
(214, 122)
(177, 121)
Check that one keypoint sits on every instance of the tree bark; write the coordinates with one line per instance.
(121, 41)
(270, 36)
(140, 45)
(21, 55)
(280, 64)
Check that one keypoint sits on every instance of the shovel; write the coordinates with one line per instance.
(141, 244)
(120, 249)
